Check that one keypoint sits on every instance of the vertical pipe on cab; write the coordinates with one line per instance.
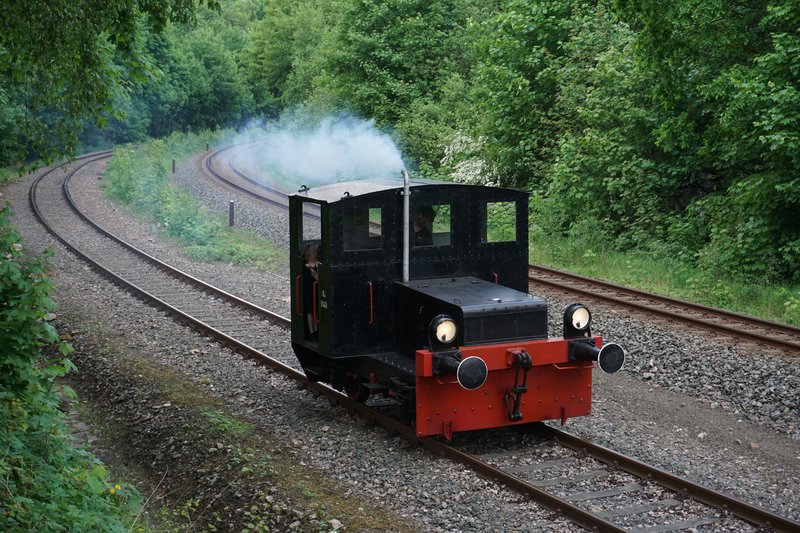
(406, 222)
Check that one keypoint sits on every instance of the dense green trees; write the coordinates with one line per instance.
(668, 128)
(62, 62)
(725, 78)
(283, 52)
(194, 82)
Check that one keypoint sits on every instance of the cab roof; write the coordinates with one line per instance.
(336, 191)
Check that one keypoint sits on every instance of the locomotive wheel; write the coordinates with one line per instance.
(355, 389)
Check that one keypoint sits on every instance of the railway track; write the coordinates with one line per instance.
(539, 472)
(230, 176)
(762, 332)
(194, 301)
(607, 491)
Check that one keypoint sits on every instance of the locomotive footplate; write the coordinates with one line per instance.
(367, 374)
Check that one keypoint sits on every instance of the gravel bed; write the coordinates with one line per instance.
(686, 402)
(267, 289)
(272, 224)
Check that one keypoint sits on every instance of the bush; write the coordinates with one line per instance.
(45, 483)
(138, 176)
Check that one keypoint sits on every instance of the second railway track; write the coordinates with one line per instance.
(226, 172)
(752, 329)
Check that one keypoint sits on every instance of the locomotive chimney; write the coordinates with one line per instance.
(406, 222)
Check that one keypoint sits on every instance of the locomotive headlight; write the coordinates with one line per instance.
(577, 321)
(443, 329)
(581, 317)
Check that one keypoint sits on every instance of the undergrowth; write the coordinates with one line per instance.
(15, 172)
(45, 483)
(584, 251)
(138, 176)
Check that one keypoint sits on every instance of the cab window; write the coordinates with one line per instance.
(430, 225)
(311, 223)
(501, 222)
(362, 228)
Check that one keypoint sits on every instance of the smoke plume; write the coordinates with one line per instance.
(339, 148)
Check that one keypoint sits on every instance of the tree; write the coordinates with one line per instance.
(607, 172)
(216, 93)
(285, 51)
(517, 85)
(397, 61)
(57, 60)
(727, 77)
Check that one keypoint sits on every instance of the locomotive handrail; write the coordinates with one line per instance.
(297, 296)
(316, 320)
(369, 284)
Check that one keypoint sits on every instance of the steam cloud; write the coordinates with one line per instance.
(340, 148)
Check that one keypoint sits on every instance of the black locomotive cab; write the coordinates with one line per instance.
(456, 231)
(391, 297)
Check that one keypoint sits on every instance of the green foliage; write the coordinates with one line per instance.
(727, 79)
(671, 129)
(12, 114)
(282, 55)
(62, 62)
(25, 317)
(396, 62)
(519, 49)
(45, 483)
(137, 176)
(215, 93)
(195, 83)
(223, 423)
(501, 222)
(388, 54)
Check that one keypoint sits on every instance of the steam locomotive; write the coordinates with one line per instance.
(418, 290)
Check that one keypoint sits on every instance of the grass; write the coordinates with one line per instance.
(256, 468)
(8, 175)
(226, 424)
(676, 278)
(137, 177)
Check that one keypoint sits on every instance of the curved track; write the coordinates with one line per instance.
(233, 322)
(230, 176)
(193, 300)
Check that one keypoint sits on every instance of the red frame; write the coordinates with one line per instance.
(316, 320)
(557, 388)
(297, 296)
